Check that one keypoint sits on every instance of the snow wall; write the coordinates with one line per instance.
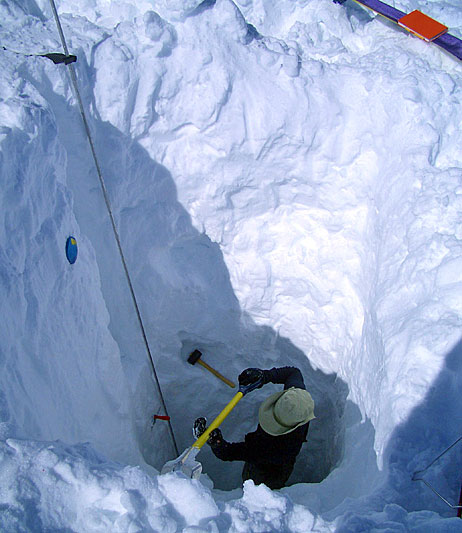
(283, 200)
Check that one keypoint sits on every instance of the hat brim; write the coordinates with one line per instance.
(268, 422)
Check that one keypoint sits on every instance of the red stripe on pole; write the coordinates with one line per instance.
(161, 417)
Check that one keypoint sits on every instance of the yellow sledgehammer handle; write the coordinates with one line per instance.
(215, 373)
(218, 420)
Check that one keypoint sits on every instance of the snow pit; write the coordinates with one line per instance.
(325, 443)
(286, 184)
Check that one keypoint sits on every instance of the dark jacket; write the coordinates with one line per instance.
(272, 457)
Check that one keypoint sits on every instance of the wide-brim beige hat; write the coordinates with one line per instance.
(285, 411)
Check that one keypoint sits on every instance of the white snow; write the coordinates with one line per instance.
(286, 180)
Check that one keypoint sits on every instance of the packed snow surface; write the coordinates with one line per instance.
(286, 182)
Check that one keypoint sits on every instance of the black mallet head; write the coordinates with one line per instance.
(194, 357)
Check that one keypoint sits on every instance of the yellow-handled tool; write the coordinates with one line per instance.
(195, 357)
(187, 463)
(217, 422)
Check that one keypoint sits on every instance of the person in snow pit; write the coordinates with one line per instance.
(284, 417)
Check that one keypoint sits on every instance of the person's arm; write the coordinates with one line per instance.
(231, 451)
(228, 451)
(289, 376)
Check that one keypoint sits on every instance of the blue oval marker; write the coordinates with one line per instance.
(71, 250)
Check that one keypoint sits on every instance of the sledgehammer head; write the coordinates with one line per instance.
(194, 357)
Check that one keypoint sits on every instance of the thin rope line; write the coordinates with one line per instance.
(111, 216)
(19, 53)
(414, 478)
(439, 456)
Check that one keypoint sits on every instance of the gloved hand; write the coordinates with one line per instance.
(216, 438)
(200, 426)
(250, 376)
